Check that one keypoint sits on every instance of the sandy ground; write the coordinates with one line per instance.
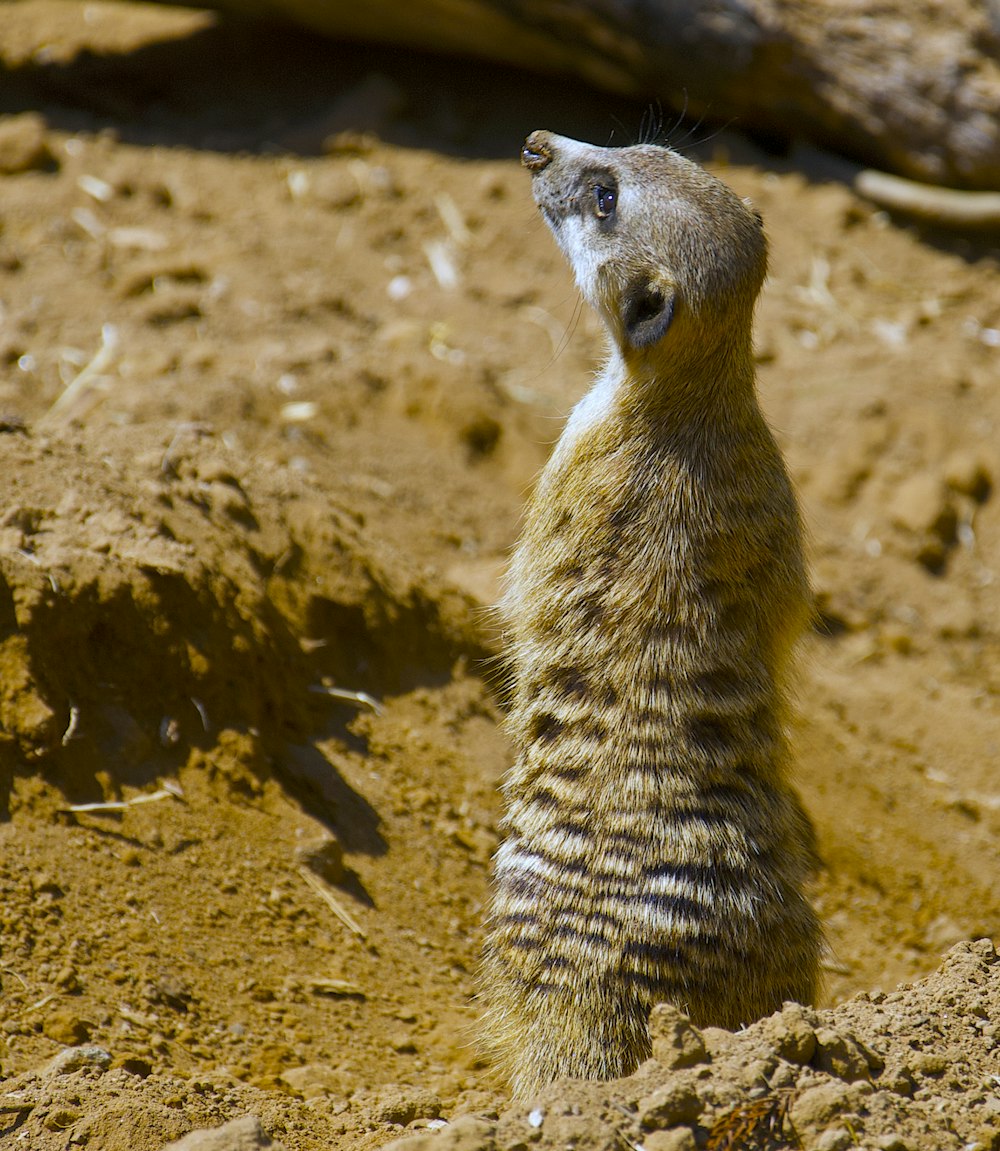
(282, 346)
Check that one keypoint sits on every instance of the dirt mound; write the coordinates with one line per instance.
(271, 393)
(885, 1071)
(155, 592)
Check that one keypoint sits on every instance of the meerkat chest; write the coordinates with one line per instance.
(634, 520)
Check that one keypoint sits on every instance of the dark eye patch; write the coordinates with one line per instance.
(605, 200)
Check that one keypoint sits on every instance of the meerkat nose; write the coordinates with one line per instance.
(536, 152)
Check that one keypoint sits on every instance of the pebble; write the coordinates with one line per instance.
(676, 1043)
(843, 1056)
(401, 1105)
(66, 1027)
(969, 474)
(243, 1134)
(792, 1034)
(898, 1080)
(467, 1133)
(680, 1139)
(314, 1080)
(23, 146)
(833, 1139)
(920, 503)
(929, 1063)
(815, 1107)
(72, 1059)
(891, 1142)
(669, 1105)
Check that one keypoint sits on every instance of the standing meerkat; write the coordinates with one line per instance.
(653, 849)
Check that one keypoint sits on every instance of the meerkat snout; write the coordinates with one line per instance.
(534, 154)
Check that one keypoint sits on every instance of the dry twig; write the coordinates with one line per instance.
(330, 900)
(168, 791)
(358, 698)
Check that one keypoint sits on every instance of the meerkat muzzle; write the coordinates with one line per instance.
(535, 153)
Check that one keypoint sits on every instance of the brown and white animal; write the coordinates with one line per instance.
(653, 848)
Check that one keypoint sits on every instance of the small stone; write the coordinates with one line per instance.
(314, 1080)
(22, 144)
(898, 1080)
(921, 505)
(680, 1139)
(74, 1058)
(66, 1027)
(676, 1043)
(929, 1064)
(969, 474)
(844, 1056)
(815, 1107)
(791, 1033)
(835, 1139)
(243, 1134)
(719, 1043)
(467, 1133)
(891, 1143)
(67, 979)
(756, 1073)
(401, 1105)
(669, 1105)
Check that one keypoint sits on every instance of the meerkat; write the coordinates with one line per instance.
(653, 849)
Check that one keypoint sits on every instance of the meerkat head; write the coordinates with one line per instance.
(655, 242)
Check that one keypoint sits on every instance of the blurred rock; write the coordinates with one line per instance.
(23, 145)
(244, 1134)
(970, 474)
(816, 1106)
(680, 1139)
(74, 1058)
(65, 1026)
(921, 504)
(466, 1133)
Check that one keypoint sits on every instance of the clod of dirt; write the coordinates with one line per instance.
(23, 144)
(244, 1134)
(676, 1043)
(668, 1106)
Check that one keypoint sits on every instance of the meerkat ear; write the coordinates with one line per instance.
(647, 311)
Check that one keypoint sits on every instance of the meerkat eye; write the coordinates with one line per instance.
(605, 201)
